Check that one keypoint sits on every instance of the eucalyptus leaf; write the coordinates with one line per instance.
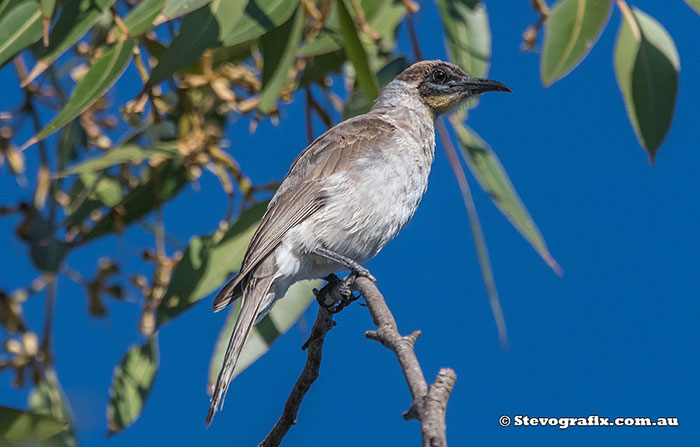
(207, 263)
(282, 317)
(18, 427)
(131, 385)
(279, 50)
(486, 167)
(99, 78)
(20, 27)
(48, 399)
(177, 8)
(140, 18)
(90, 192)
(646, 67)
(159, 186)
(76, 19)
(129, 153)
(356, 53)
(259, 17)
(200, 30)
(695, 4)
(468, 34)
(571, 30)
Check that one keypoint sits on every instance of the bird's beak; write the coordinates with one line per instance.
(480, 85)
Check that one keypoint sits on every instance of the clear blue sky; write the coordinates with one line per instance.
(617, 335)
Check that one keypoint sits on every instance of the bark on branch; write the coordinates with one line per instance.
(429, 402)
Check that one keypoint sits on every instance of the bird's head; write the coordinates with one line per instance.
(442, 86)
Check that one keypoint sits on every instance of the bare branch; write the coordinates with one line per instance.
(314, 346)
(429, 402)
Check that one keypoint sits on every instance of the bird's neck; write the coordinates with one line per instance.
(400, 95)
(400, 103)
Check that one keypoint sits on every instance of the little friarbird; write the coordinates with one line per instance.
(345, 196)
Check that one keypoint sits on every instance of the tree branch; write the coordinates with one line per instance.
(314, 346)
(429, 402)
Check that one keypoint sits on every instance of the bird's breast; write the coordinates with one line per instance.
(368, 205)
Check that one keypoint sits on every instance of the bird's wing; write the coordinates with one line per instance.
(300, 195)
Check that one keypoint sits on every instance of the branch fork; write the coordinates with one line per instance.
(429, 401)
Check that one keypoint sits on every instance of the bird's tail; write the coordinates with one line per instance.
(253, 297)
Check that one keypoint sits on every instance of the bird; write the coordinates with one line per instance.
(345, 197)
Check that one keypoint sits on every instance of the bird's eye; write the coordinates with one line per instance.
(439, 76)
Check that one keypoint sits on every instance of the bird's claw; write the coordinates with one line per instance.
(337, 294)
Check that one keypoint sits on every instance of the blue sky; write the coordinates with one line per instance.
(616, 336)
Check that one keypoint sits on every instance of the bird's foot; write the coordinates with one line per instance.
(337, 294)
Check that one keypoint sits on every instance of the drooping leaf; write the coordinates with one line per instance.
(177, 8)
(140, 19)
(282, 317)
(356, 53)
(129, 153)
(76, 19)
(18, 427)
(571, 30)
(202, 29)
(259, 17)
(646, 67)
(48, 399)
(131, 384)
(20, 27)
(486, 167)
(279, 50)
(695, 4)
(468, 34)
(94, 84)
(207, 263)
(161, 185)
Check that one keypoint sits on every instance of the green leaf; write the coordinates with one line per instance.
(159, 186)
(19, 28)
(646, 67)
(129, 153)
(140, 19)
(207, 263)
(91, 192)
(571, 30)
(259, 17)
(282, 317)
(48, 399)
(489, 172)
(383, 16)
(177, 8)
(8, 5)
(356, 53)
(279, 50)
(22, 427)
(76, 19)
(204, 28)
(94, 84)
(695, 4)
(468, 34)
(132, 382)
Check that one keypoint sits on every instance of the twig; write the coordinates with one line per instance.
(314, 346)
(429, 402)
